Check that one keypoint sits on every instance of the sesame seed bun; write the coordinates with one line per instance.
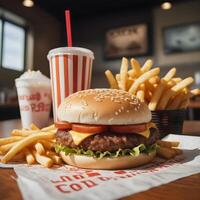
(103, 107)
(124, 162)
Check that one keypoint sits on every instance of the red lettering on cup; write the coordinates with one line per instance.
(33, 97)
(40, 107)
(33, 107)
(38, 96)
(24, 107)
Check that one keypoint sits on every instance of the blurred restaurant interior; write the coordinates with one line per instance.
(30, 28)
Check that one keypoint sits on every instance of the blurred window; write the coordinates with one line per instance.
(12, 45)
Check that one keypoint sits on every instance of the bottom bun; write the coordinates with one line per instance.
(123, 162)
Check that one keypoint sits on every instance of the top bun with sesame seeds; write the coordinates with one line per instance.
(103, 107)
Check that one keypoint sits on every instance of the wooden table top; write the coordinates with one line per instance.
(185, 188)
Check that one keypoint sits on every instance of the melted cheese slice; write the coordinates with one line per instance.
(146, 133)
(78, 137)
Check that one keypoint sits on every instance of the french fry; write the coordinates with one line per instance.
(6, 147)
(156, 95)
(47, 144)
(132, 73)
(175, 103)
(183, 95)
(123, 73)
(154, 80)
(8, 140)
(195, 92)
(178, 151)
(177, 79)
(173, 91)
(170, 74)
(136, 66)
(56, 159)
(155, 85)
(129, 83)
(23, 133)
(43, 160)
(147, 66)
(168, 144)
(39, 148)
(148, 95)
(117, 77)
(49, 128)
(184, 83)
(165, 99)
(111, 79)
(150, 86)
(34, 127)
(166, 153)
(25, 143)
(140, 95)
(30, 159)
(142, 87)
(159, 90)
(170, 84)
(144, 77)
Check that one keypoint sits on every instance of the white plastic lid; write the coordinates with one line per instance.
(70, 51)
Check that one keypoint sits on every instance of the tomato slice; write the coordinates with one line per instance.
(86, 128)
(63, 125)
(128, 128)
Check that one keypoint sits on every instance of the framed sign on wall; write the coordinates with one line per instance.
(127, 41)
(182, 38)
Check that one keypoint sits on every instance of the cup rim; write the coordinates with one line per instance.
(70, 51)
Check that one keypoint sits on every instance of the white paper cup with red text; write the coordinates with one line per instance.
(34, 96)
(70, 71)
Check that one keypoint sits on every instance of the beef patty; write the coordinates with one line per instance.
(107, 141)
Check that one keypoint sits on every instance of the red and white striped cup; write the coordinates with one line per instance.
(70, 71)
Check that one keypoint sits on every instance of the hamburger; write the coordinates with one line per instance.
(105, 129)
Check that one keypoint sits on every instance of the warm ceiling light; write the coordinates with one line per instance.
(28, 3)
(166, 6)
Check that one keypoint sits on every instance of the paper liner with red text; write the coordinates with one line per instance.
(72, 183)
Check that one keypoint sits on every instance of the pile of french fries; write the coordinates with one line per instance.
(33, 146)
(168, 149)
(160, 93)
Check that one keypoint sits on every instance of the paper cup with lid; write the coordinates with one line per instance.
(70, 71)
(34, 97)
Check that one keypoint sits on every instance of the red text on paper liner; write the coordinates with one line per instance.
(87, 179)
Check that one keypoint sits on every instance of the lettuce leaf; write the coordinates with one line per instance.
(98, 154)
